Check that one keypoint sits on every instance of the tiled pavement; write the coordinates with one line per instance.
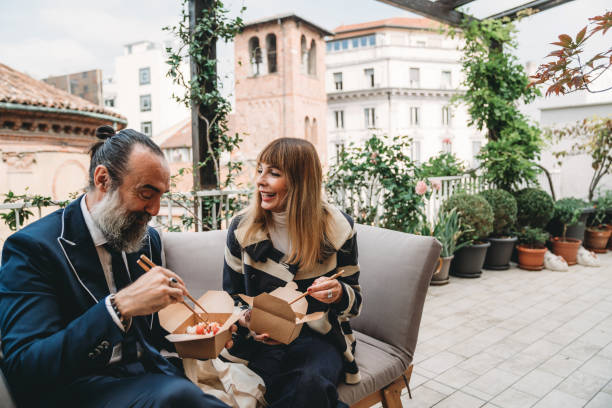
(515, 339)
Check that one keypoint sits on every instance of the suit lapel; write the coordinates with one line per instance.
(81, 253)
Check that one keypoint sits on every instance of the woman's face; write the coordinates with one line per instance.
(272, 187)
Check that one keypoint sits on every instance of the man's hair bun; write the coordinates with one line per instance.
(105, 132)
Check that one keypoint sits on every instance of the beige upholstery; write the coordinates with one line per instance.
(395, 272)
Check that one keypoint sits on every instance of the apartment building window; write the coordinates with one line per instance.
(144, 76)
(421, 43)
(370, 117)
(415, 77)
(446, 80)
(255, 57)
(312, 58)
(446, 116)
(146, 128)
(145, 103)
(415, 151)
(84, 75)
(339, 151)
(110, 102)
(369, 73)
(338, 80)
(328, 46)
(339, 116)
(345, 44)
(355, 42)
(85, 88)
(414, 115)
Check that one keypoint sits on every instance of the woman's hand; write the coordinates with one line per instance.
(326, 290)
(245, 321)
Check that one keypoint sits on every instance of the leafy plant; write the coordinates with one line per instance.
(532, 237)
(496, 83)
(603, 205)
(447, 230)
(475, 215)
(197, 45)
(569, 72)
(504, 210)
(378, 184)
(442, 165)
(567, 212)
(592, 137)
(22, 214)
(534, 207)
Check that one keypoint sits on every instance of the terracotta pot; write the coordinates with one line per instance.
(567, 249)
(531, 259)
(440, 276)
(597, 239)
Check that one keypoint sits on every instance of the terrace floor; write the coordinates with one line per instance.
(517, 339)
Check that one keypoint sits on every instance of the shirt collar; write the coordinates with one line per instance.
(96, 234)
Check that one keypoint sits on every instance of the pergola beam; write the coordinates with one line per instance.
(433, 10)
(453, 4)
(537, 5)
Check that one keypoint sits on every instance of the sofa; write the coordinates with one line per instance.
(396, 269)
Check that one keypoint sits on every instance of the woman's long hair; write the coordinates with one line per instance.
(307, 216)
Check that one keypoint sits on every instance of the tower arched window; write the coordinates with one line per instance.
(271, 51)
(304, 54)
(312, 58)
(313, 132)
(255, 57)
(306, 128)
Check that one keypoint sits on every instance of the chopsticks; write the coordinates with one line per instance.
(334, 276)
(146, 264)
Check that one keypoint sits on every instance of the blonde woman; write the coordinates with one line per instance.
(291, 234)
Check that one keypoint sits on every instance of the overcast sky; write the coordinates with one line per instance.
(44, 38)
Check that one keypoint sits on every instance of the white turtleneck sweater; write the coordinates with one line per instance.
(279, 233)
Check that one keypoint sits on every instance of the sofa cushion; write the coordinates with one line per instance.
(379, 366)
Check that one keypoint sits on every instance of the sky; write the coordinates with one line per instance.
(52, 37)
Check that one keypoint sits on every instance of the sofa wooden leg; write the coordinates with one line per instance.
(390, 396)
(407, 375)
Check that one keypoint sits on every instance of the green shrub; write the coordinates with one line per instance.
(475, 214)
(603, 206)
(504, 210)
(568, 211)
(532, 237)
(445, 164)
(534, 207)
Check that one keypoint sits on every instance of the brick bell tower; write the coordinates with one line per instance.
(280, 83)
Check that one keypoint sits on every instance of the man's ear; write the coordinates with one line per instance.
(102, 179)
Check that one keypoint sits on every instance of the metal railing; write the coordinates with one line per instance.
(215, 206)
(448, 186)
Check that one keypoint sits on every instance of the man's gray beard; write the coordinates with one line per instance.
(119, 225)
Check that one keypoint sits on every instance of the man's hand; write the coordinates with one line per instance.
(323, 287)
(245, 321)
(150, 293)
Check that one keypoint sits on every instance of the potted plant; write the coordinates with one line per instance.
(597, 233)
(567, 212)
(534, 207)
(504, 219)
(476, 218)
(447, 230)
(575, 230)
(531, 248)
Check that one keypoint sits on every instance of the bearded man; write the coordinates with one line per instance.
(78, 317)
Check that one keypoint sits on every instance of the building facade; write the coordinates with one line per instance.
(86, 84)
(141, 91)
(397, 77)
(280, 83)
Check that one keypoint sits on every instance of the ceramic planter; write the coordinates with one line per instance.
(440, 276)
(575, 231)
(498, 255)
(468, 261)
(531, 259)
(597, 239)
(567, 249)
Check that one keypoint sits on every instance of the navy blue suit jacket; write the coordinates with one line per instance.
(54, 324)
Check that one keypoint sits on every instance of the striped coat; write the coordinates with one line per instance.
(256, 266)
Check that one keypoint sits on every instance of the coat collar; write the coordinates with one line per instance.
(80, 252)
(260, 248)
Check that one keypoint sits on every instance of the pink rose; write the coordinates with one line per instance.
(421, 187)
(436, 185)
(446, 140)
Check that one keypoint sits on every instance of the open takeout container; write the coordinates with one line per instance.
(176, 317)
(271, 313)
